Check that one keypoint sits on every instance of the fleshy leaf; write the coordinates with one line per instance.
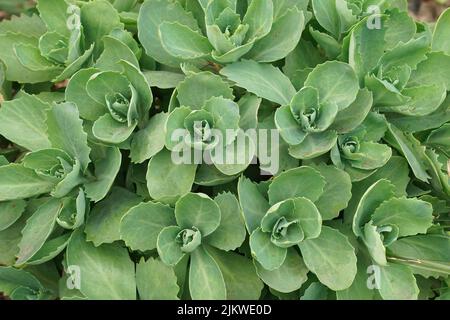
(107, 272)
(199, 211)
(206, 281)
(336, 82)
(23, 122)
(141, 225)
(289, 277)
(167, 181)
(264, 80)
(270, 256)
(156, 281)
(300, 182)
(331, 257)
(231, 232)
(38, 229)
(411, 216)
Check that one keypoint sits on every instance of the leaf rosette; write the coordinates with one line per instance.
(305, 124)
(209, 126)
(122, 100)
(198, 229)
(359, 152)
(62, 44)
(219, 31)
(381, 218)
(287, 213)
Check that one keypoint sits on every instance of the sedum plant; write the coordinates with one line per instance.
(224, 149)
(220, 31)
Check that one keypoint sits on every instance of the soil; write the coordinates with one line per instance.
(427, 10)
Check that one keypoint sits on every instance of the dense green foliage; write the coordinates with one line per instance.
(94, 206)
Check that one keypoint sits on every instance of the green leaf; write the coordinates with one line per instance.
(205, 85)
(65, 131)
(139, 82)
(151, 15)
(210, 176)
(374, 196)
(167, 181)
(314, 145)
(333, 15)
(30, 57)
(235, 157)
(108, 130)
(12, 278)
(54, 15)
(10, 212)
(31, 25)
(397, 283)
(336, 82)
(270, 256)
(266, 81)
(308, 216)
(225, 114)
(439, 139)
(336, 194)
(259, 18)
(400, 27)
(254, 205)
(423, 100)
(366, 46)
(169, 249)
(398, 172)
(15, 71)
(315, 291)
(374, 243)
(182, 42)
(199, 211)
(277, 44)
(299, 182)
(103, 224)
(141, 225)
(18, 182)
(359, 289)
(248, 108)
(231, 232)
(441, 37)
(241, 280)
(97, 26)
(290, 130)
(206, 281)
(410, 53)
(411, 216)
(412, 150)
(23, 122)
(38, 229)
(50, 250)
(76, 92)
(331, 257)
(107, 167)
(432, 71)
(10, 238)
(164, 79)
(156, 281)
(289, 277)
(351, 117)
(115, 51)
(106, 272)
(146, 142)
(434, 247)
